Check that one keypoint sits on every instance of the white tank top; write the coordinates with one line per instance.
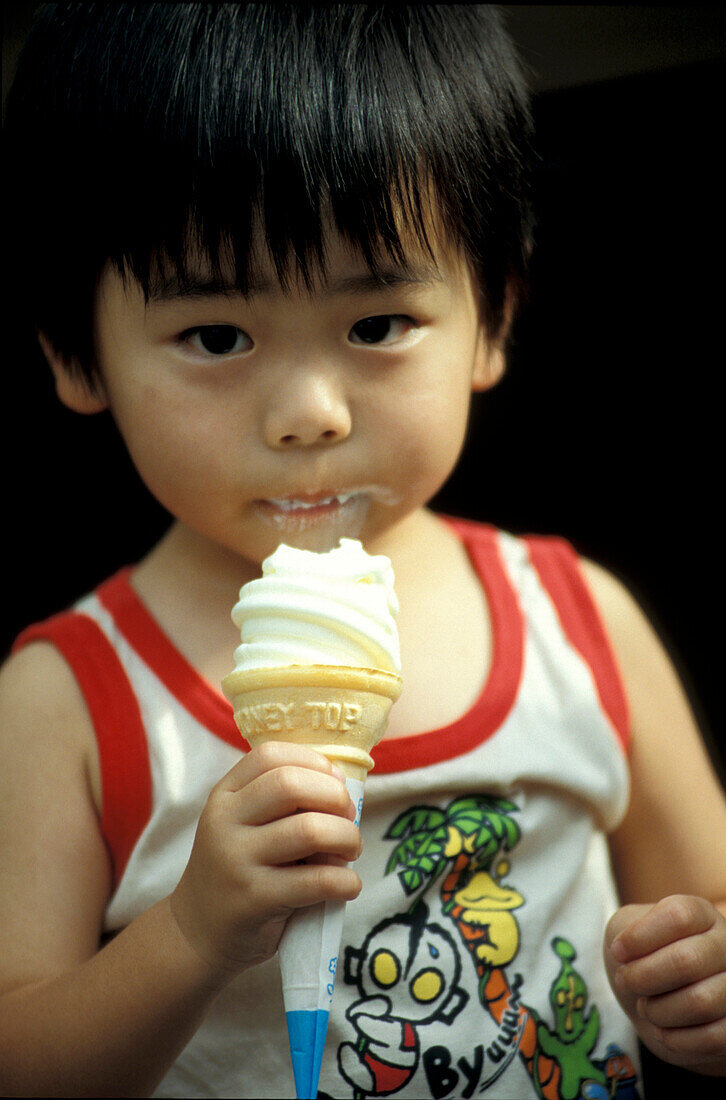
(471, 964)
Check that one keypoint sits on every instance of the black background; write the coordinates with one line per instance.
(609, 425)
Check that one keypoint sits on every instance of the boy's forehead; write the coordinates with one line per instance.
(355, 278)
(342, 270)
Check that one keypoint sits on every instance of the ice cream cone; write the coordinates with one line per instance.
(339, 711)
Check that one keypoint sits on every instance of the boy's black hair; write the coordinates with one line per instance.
(136, 130)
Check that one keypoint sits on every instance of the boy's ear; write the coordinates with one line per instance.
(74, 390)
(490, 359)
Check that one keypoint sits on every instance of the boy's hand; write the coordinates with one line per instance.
(667, 966)
(280, 805)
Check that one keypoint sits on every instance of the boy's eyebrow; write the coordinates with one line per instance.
(175, 289)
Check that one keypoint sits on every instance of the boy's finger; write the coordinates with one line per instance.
(686, 1046)
(620, 922)
(306, 835)
(656, 926)
(701, 1003)
(275, 754)
(289, 790)
(310, 884)
(675, 966)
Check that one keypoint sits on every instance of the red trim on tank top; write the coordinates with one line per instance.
(501, 685)
(487, 714)
(122, 747)
(141, 630)
(558, 567)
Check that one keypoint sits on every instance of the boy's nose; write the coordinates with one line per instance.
(306, 413)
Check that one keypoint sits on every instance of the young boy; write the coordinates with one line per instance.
(282, 244)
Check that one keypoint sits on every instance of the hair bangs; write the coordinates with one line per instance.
(304, 143)
(193, 134)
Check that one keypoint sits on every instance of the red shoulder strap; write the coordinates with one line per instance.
(499, 693)
(558, 567)
(120, 734)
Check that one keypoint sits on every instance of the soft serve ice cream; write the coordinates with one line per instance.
(335, 608)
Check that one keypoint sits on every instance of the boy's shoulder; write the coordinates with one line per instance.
(598, 590)
(610, 591)
(43, 715)
(636, 641)
(54, 867)
(36, 679)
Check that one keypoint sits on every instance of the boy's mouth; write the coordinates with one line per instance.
(316, 521)
(308, 506)
(343, 511)
(310, 503)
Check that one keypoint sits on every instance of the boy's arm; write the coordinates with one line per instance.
(76, 1020)
(666, 948)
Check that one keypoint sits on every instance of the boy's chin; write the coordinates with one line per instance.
(320, 541)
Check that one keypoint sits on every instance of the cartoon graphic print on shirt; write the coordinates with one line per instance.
(421, 961)
(408, 969)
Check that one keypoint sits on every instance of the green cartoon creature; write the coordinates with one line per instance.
(575, 1034)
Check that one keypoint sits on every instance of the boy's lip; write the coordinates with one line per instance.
(307, 505)
(309, 500)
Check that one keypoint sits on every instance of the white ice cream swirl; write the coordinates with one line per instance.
(336, 608)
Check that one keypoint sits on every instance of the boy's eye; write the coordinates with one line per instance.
(383, 329)
(217, 339)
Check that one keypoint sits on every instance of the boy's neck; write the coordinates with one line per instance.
(182, 556)
(190, 585)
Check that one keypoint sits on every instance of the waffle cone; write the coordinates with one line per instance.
(338, 711)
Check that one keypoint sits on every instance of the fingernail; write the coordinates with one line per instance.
(618, 952)
(338, 772)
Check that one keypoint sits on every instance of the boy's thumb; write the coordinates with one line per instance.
(615, 954)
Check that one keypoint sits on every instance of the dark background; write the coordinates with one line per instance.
(608, 427)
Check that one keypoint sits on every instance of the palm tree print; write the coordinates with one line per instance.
(464, 845)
